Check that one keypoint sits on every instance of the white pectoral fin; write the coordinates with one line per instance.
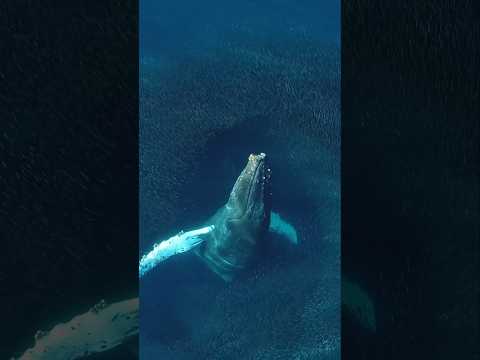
(100, 329)
(180, 243)
(281, 227)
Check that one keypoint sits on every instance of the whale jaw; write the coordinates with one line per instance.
(241, 223)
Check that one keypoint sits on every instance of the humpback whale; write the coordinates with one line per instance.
(240, 225)
(233, 237)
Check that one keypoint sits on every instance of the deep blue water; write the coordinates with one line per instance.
(217, 83)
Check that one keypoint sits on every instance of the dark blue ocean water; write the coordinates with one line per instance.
(220, 81)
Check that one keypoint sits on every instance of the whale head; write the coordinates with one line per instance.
(241, 224)
(250, 199)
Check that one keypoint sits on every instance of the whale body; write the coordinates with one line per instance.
(241, 224)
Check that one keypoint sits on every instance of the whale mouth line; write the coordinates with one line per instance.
(252, 178)
(253, 181)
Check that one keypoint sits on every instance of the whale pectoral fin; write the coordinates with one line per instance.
(283, 228)
(102, 328)
(180, 243)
